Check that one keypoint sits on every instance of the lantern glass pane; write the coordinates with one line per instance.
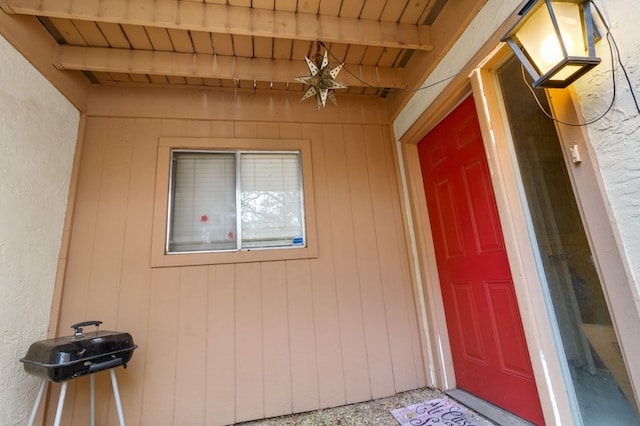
(566, 72)
(541, 42)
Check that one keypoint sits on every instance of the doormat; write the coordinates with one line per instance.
(441, 411)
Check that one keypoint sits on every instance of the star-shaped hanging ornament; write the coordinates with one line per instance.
(322, 81)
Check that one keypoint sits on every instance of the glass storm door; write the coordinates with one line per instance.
(594, 367)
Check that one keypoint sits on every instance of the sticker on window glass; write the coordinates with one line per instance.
(298, 241)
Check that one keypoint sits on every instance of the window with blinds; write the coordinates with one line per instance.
(235, 200)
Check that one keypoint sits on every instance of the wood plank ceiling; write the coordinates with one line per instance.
(254, 44)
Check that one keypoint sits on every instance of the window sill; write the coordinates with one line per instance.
(244, 256)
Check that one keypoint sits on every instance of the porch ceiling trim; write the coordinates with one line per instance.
(214, 18)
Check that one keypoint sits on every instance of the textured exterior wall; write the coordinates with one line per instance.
(616, 138)
(38, 129)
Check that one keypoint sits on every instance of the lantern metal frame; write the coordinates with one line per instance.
(585, 63)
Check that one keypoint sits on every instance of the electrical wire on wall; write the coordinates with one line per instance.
(615, 55)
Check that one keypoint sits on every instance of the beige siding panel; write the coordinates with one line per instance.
(267, 130)
(227, 343)
(249, 343)
(302, 339)
(376, 330)
(222, 129)
(191, 347)
(159, 393)
(221, 338)
(354, 354)
(275, 331)
(325, 302)
(393, 266)
(198, 129)
(106, 269)
(133, 306)
(245, 130)
(76, 292)
(301, 329)
(174, 127)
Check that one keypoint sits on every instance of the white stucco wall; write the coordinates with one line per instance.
(38, 131)
(616, 138)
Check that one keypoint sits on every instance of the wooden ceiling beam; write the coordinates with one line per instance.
(215, 18)
(214, 66)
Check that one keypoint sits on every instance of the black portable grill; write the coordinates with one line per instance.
(64, 358)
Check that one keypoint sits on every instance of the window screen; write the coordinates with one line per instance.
(235, 200)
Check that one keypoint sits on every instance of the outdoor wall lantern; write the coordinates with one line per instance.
(554, 40)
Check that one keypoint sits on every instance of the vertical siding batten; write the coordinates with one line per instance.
(347, 281)
(329, 347)
(133, 312)
(376, 331)
(191, 346)
(221, 354)
(390, 248)
(275, 329)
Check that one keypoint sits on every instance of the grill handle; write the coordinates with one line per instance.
(78, 326)
(93, 368)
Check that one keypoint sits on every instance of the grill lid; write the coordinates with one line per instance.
(64, 358)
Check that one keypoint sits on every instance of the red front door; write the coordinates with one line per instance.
(488, 344)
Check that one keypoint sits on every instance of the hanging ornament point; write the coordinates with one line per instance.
(322, 81)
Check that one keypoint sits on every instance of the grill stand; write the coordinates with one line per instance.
(63, 394)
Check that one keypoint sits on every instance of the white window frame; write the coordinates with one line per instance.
(160, 255)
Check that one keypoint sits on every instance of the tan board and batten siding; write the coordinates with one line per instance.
(225, 343)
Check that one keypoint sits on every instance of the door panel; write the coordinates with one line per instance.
(487, 340)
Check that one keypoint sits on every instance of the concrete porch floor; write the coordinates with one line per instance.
(377, 412)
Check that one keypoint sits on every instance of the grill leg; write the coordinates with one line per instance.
(93, 400)
(34, 412)
(116, 395)
(63, 393)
